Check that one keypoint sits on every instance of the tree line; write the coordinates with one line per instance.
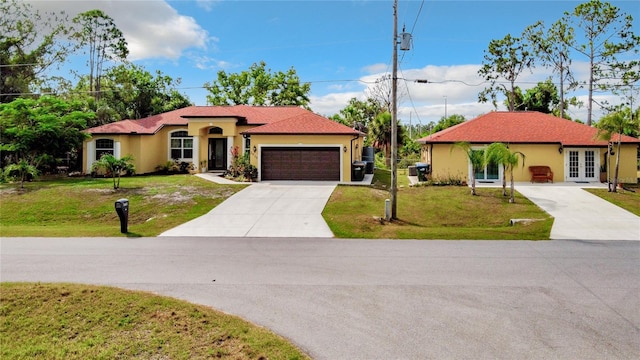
(34, 104)
(598, 32)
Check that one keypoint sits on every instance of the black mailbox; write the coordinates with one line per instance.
(122, 208)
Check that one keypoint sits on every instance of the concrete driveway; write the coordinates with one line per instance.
(581, 215)
(277, 209)
(294, 209)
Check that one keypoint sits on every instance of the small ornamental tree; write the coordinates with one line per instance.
(611, 128)
(115, 167)
(240, 167)
(500, 154)
(476, 158)
(22, 170)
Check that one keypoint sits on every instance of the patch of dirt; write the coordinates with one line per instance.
(101, 191)
(175, 198)
(9, 191)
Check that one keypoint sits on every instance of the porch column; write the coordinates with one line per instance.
(229, 147)
(195, 157)
(91, 154)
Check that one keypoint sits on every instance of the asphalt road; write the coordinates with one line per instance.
(376, 299)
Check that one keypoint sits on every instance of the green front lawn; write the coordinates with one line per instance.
(69, 321)
(626, 199)
(85, 206)
(434, 212)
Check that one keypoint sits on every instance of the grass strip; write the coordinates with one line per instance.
(71, 321)
(626, 199)
(434, 212)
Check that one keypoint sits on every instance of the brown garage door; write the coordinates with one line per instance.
(300, 163)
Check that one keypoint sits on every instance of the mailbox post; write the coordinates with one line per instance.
(122, 208)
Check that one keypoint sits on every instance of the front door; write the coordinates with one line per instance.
(582, 165)
(217, 154)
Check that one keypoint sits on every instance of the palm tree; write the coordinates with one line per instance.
(611, 127)
(115, 167)
(380, 133)
(499, 153)
(477, 160)
(23, 169)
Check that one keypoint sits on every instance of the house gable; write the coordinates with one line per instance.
(521, 127)
(572, 150)
(205, 136)
(304, 124)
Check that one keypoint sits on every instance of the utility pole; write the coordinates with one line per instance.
(445, 107)
(394, 116)
(405, 45)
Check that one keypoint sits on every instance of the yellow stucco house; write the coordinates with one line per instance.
(572, 151)
(283, 142)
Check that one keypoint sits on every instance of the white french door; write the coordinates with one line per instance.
(582, 165)
(492, 172)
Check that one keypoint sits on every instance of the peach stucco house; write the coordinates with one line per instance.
(283, 142)
(572, 151)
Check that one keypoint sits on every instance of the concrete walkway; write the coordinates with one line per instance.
(581, 215)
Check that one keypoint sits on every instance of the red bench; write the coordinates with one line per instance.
(541, 173)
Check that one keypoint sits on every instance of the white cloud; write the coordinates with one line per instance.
(454, 87)
(207, 4)
(376, 68)
(331, 104)
(208, 63)
(160, 33)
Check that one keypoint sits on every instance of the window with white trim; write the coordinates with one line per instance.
(181, 145)
(247, 144)
(104, 146)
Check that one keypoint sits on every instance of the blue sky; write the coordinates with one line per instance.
(340, 47)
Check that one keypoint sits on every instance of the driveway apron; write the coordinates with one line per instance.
(278, 209)
(581, 215)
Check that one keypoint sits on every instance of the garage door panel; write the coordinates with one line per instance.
(300, 164)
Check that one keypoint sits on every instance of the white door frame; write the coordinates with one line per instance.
(582, 164)
(484, 180)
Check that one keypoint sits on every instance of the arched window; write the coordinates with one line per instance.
(181, 145)
(104, 146)
(215, 131)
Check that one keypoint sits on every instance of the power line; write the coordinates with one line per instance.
(168, 89)
(410, 98)
(18, 65)
(417, 16)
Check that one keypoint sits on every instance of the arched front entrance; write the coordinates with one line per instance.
(217, 154)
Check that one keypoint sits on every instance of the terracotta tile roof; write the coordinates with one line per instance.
(293, 119)
(253, 115)
(521, 127)
(308, 123)
(148, 125)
